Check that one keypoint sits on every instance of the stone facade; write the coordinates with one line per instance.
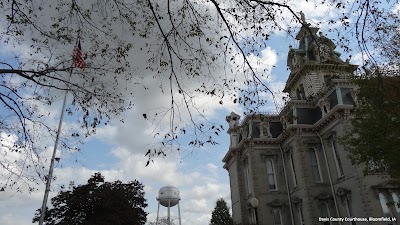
(291, 163)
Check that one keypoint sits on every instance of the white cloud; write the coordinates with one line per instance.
(213, 169)
(197, 206)
(263, 65)
(360, 58)
(396, 9)
(12, 218)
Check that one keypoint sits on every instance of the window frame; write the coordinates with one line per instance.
(271, 173)
(337, 159)
(300, 213)
(317, 166)
(294, 177)
(247, 176)
(396, 200)
(279, 213)
(326, 206)
(252, 215)
(347, 204)
(385, 208)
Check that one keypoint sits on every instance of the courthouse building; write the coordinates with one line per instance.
(289, 168)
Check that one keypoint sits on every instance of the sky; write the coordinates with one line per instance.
(118, 149)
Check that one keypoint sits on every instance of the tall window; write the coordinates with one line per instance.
(247, 176)
(349, 211)
(324, 212)
(338, 162)
(293, 170)
(300, 212)
(271, 175)
(300, 92)
(315, 165)
(396, 202)
(385, 208)
(252, 216)
(277, 216)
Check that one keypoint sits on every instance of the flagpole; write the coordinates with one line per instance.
(50, 175)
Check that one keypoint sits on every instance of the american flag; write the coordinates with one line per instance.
(78, 58)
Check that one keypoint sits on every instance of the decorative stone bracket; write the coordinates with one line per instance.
(324, 105)
(296, 200)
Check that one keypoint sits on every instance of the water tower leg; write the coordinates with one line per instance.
(179, 214)
(169, 205)
(158, 211)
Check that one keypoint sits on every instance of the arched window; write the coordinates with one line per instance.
(271, 175)
(247, 176)
(338, 162)
(300, 212)
(293, 170)
(277, 214)
(349, 211)
(385, 208)
(302, 92)
(256, 132)
(252, 215)
(324, 212)
(396, 202)
(298, 95)
(315, 165)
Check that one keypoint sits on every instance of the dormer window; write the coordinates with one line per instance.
(324, 105)
(265, 129)
(284, 122)
(297, 93)
(301, 95)
(294, 61)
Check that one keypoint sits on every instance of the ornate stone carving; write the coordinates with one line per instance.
(343, 191)
(346, 114)
(321, 35)
(250, 130)
(296, 200)
(243, 132)
(233, 120)
(276, 203)
(284, 122)
(323, 196)
(324, 105)
(303, 17)
(265, 129)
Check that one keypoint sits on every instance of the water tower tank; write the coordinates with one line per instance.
(168, 196)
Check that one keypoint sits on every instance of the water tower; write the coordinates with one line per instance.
(168, 196)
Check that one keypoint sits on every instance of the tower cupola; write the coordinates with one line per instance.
(312, 62)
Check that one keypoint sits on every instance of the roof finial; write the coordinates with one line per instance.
(303, 17)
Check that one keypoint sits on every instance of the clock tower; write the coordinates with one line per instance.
(313, 63)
